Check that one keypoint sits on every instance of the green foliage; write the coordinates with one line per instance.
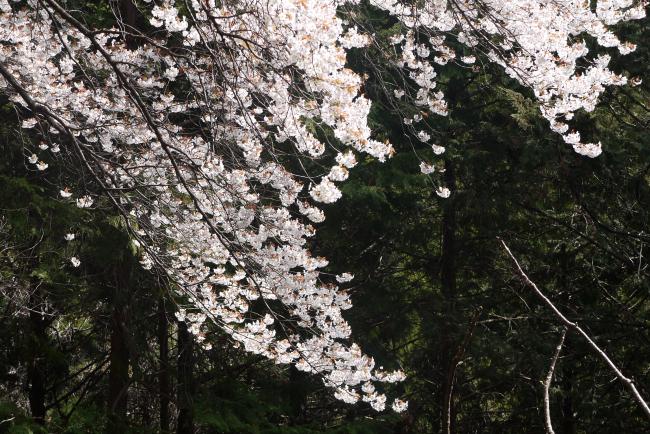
(14, 421)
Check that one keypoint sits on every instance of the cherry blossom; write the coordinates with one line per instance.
(84, 202)
(443, 192)
(538, 43)
(427, 168)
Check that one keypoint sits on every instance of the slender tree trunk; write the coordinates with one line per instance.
(448, 259)
(119, 358)
(448, 290)
(297, 396)
(129, 15)
(118, 379)
(37, 364)
(566, 385)
(163, 374)
(185, 389)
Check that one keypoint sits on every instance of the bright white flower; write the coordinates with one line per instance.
(28, 123)
(75, 261)
(468, 59)
(396, 39)
(353, 39)
(390, 377)
(55, 148)
(69, 237)
(572, 138)
(379, 403)
(65, 193)
(427, 168)
(424, 136)
(398, 93)
(325, 192)
(171, 73)
(313, 213)
(338, 173)
(422, 51)
(146, 263)
(443, 192)
(85, 202)
(591, 150)
(438, 149)
(399, 406)
(41, 165)
(346, 395)
(347, 159)
(4, 6)
(43, 146)
(33, 158)
(345, 277)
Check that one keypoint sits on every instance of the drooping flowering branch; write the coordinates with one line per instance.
(538, 43)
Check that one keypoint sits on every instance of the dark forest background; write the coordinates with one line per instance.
(98, 349)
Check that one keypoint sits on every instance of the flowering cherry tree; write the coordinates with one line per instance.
(218, 128)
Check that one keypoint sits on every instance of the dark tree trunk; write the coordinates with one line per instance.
(118, 378)
(130, 17)
(297, 395)
(185, 389)
(448, 259)
(37, 364)
(448, 290)
(566, 384)
(163, 375)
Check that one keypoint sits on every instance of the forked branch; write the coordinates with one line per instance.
(629, 384)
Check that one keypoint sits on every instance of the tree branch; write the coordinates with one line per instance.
(547, 384)
(629, 384)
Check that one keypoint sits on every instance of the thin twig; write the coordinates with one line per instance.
(7, 420)
(629, 384)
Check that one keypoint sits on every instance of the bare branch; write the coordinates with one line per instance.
(629, 384)
(547, 384)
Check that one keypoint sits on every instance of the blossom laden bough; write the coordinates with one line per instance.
(538, 43)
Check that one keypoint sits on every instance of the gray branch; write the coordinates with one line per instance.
(629, 384)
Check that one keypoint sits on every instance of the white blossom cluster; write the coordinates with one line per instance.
(204, 135)
(540, 43)
(212, 203)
